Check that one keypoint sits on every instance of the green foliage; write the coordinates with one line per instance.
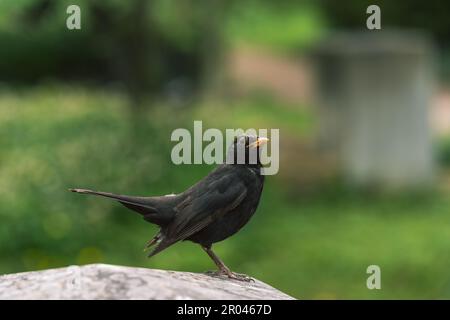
(443, 151)
(258, 111)
(272, 25)
(130, 43)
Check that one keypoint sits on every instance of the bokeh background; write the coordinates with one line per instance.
(364, 119)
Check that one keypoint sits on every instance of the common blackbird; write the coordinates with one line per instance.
(211, 210)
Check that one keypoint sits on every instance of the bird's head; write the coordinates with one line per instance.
(245, 149)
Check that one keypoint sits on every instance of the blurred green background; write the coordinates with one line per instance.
(95, 107)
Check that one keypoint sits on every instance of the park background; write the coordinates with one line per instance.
(95, 108)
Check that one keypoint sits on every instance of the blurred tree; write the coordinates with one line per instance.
(153, 48)
(37, 11)
(418, 14)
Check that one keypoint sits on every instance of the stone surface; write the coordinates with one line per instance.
(101, 281)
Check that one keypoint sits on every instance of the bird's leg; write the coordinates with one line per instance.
(223, 269)
(219, 263)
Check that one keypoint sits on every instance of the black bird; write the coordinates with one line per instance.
(211, 210)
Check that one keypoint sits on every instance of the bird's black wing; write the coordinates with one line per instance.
(219, 196)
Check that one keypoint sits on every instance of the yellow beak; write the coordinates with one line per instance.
(261, 141)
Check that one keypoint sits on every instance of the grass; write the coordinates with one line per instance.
(53, 138)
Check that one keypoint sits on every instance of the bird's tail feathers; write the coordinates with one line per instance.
(161, 244)
(130, 201)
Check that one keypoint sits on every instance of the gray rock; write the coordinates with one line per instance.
(102, 281)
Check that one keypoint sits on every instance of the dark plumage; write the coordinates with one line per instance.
(211, 210)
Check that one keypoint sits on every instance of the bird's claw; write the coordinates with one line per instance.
(230, 275)
(240, 277)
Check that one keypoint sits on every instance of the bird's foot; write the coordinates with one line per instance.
(240, 277)
(230, 275)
